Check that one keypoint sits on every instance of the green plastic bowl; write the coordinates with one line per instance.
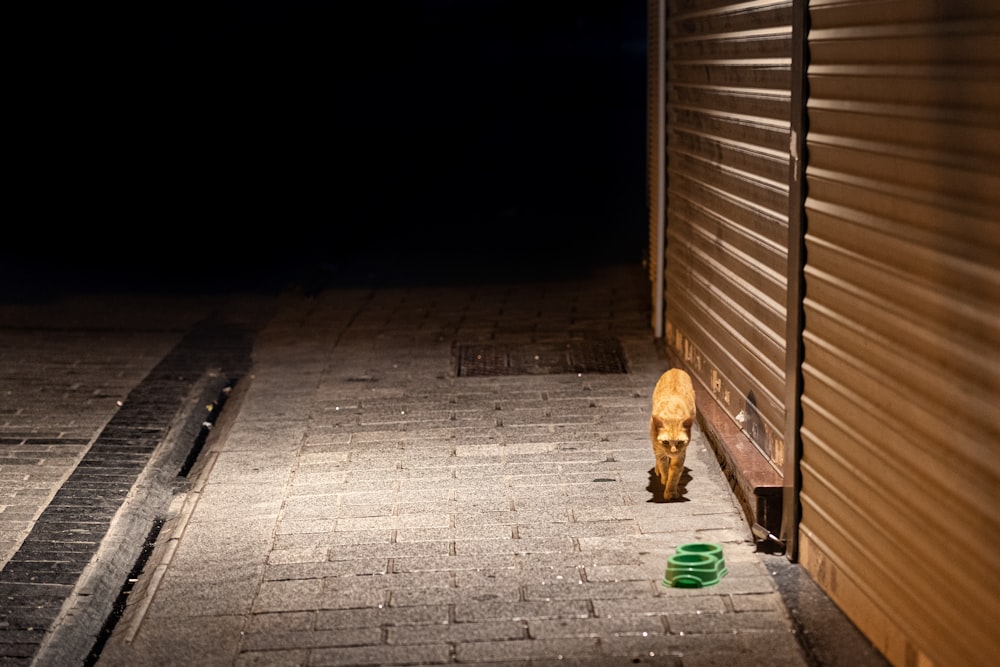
(704, 548)
(695, 565)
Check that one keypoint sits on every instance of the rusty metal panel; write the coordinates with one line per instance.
(728, 115)
(901, 374)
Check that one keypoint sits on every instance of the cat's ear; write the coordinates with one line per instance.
(657, 422)
(687, 423)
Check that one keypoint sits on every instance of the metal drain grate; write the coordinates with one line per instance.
(603, 355)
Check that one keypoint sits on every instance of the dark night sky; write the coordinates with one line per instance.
(428, 132)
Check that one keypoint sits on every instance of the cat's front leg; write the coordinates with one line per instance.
(663, 471)
(673, 478)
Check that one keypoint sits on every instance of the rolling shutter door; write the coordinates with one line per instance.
(900, 465)
(728, 111)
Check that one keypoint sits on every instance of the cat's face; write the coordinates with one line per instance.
(673, 436)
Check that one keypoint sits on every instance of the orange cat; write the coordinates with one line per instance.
(670, 427)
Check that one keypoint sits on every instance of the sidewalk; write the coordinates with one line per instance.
(358, 503)
(101, 398)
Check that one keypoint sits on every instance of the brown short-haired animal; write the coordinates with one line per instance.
(670, 427)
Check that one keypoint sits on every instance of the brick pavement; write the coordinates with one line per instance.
(65, 364)
(58, 391)
(91, 387)
(359, 504)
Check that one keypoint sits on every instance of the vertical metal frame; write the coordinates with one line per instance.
(792, 484)
(661, 171)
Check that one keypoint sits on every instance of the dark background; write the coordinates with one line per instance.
(213, 143)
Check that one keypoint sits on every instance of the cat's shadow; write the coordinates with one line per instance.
(656, 487)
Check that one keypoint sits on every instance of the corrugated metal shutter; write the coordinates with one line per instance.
(728, 111)
(655, 154)
(901, 424)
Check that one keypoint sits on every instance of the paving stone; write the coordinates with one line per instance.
(747, 621)
(413, 616)
(310, 639)
(270, 658)
(457, 633)
(398, 551)
(322, 569)
(526, 649)
(484, 610)
(215, 590)
(596, 627)
(406, 594)
(652, 649)
(698, 602)
(420, 654)
(209, 640)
